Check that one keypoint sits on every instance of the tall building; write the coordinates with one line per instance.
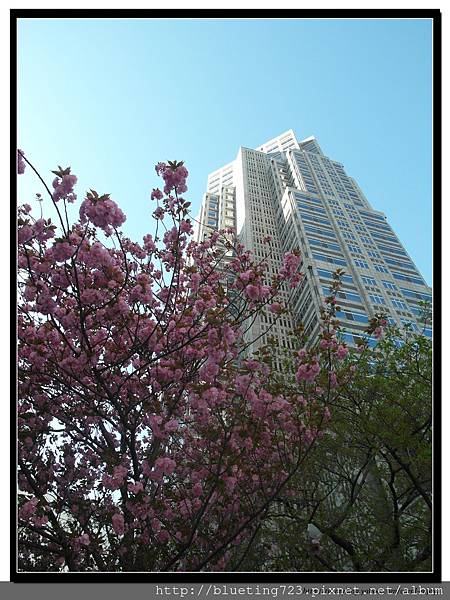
(291, 191)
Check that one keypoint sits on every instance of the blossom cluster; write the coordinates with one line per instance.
(63, 188)
(102, 212)
(174, 175)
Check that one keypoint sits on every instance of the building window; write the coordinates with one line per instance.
(409, 324)
(322, 244)
(343, 295)
(380, 269)
(402, 277)
(352, 316)
(329, 275)
(399, 304)
(377, 299)
(361, 263)
(369, 280)
(416, 295)
(329, 259)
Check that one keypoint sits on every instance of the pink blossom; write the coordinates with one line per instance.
(84, 539)
(165, 465)
(230, 482)
(118, 523)
(20, 162)
(291, 263)
(301, 399)
(185, 226)
(253, 292)
(275, 307)
(102, 212)
(197, 490)
(119, 474)
(28, 509)
(25, 234)
(195, 281)
(156, 194)
(90, 296)
(135, 488)
(160, 168)
(149, 244)
(159, 213)
(163, 536)
(174, 179)
(246, 276)
(62, 251)
(228, 334)
(252, 365)
(46, 304)
(154, 422)
(63, 187)
(342, 352)
(315, 367)
(307, 372)
(264, 291)
(208, 371)
(333, 380)
(242, 383)
(171, 426)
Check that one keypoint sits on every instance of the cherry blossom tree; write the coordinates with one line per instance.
(149, 439)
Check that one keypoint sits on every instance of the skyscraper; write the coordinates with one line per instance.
(291, 191)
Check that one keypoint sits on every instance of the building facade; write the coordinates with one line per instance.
(291, 191)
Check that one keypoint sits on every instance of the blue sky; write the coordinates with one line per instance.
(111, 98)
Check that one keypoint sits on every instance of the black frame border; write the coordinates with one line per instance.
(245, 577)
